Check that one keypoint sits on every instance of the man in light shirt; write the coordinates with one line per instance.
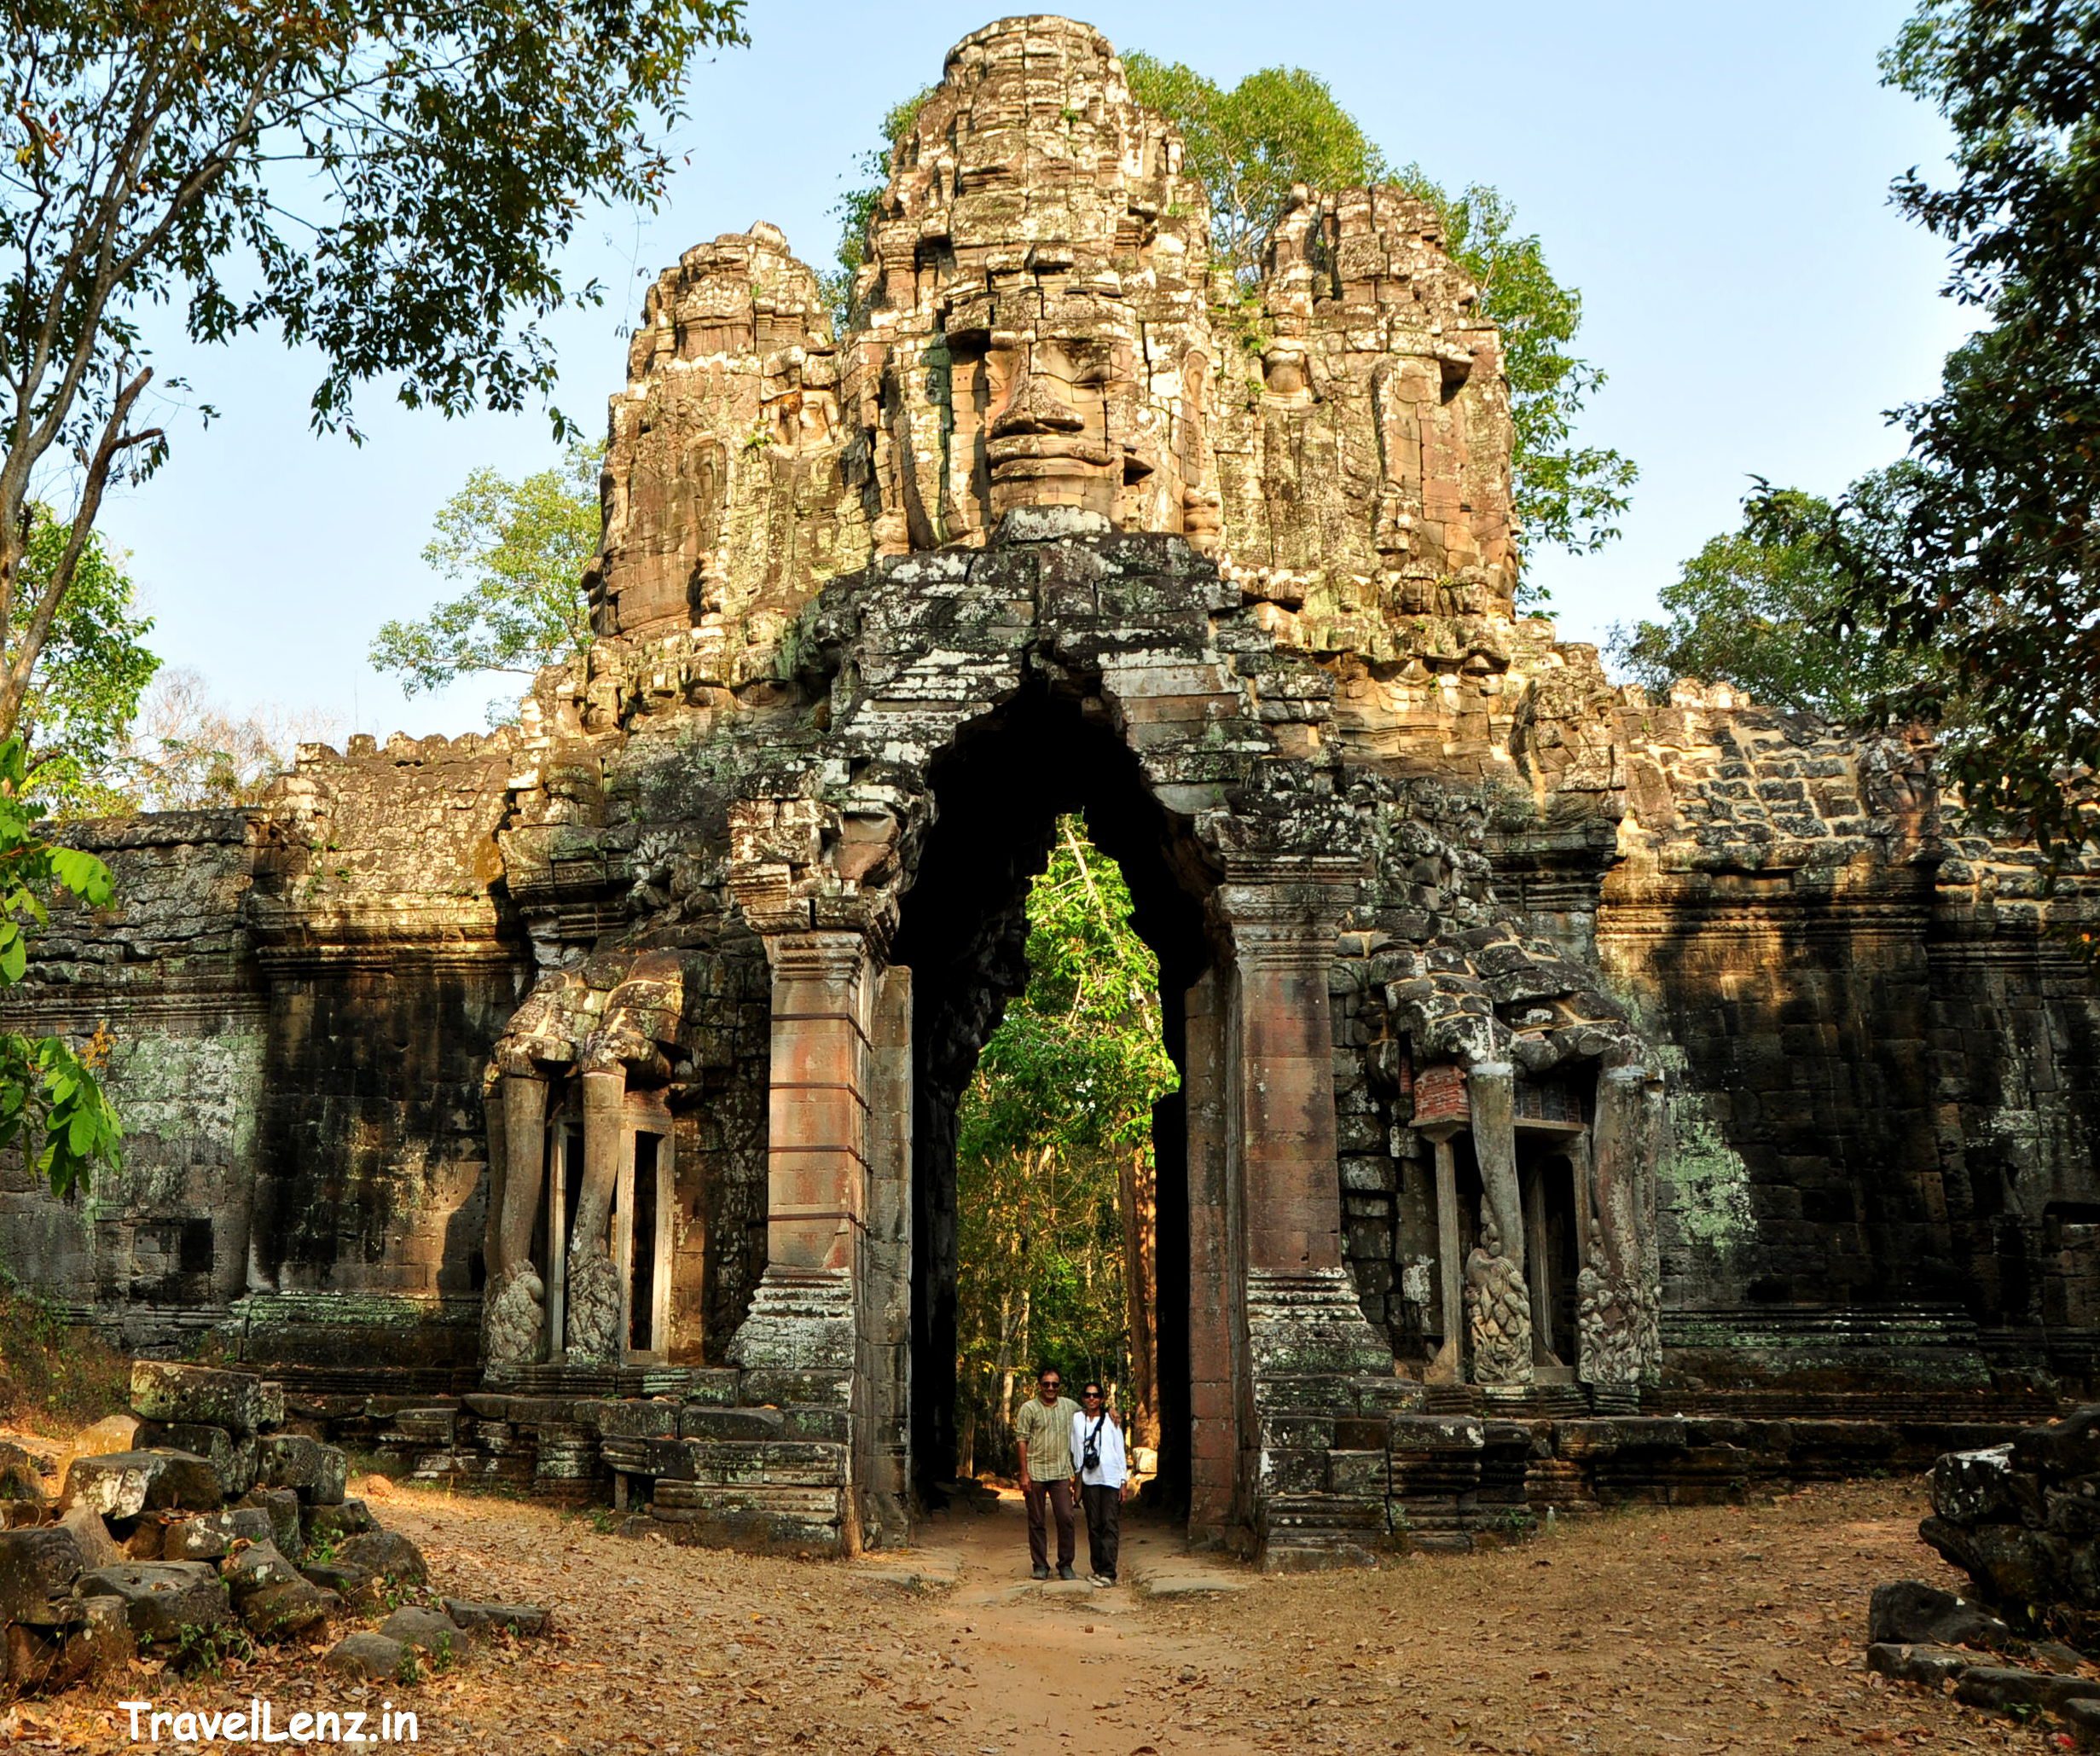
(1044, 1428)
(1104, 1480)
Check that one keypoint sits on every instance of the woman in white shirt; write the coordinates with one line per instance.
(1104, 1480)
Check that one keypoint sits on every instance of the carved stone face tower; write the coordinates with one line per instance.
(1035, 290)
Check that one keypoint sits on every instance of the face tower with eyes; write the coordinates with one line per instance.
(1035, 330)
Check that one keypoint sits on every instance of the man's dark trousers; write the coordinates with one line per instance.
(1058, 1493)
(1103, 1526)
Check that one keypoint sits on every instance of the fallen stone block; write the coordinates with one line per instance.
(427, 1631)
(1909, 1612)
(2001, 1689)
(252, 1566)
(211, 1536)
(281, 1506)
(37, 1568)
(1980, 1487)
(1931, 1665)
(331, 1524)
(317, 1472)
(97, 1547)
(525, 1619)
(20, 1478)
(288, 1607)
(358, 1587)
(368, 1658)
(384, 1552)
(234, 1458)
(161, 1598)
(124, 1484)
(239, 1402)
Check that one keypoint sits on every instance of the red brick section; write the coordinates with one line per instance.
(817, 1169)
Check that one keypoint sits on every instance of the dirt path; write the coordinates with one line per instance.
(1730, 1630)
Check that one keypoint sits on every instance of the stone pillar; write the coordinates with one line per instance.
(1449, 1366)
(1497, 1301)
(1221, 1395)
(514, 1321)
(1621, 1291)
(883, 1464)
(594, 1283)
(802, 1317)
(1310, 1349)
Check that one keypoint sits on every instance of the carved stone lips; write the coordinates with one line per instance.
(1015, 456)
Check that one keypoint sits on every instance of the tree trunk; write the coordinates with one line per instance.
(1138, 1194)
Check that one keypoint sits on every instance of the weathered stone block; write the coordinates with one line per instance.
(317, 1472)
(124, 1484)
(387, 1553)
(520, 1618)
(211, 1536)
(164, 1390)
(331, 1524)
(234, 1458)
(37, 1568)
(162, 1597)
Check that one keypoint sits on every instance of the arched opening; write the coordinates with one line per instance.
(1000, 789)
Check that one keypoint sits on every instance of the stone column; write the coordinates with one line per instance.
(1498, 1300)
(594, 1282)
(1449, 1366)
(882, 1463)
(514, 1321)
(803, 1316)
(1303, 1320)
(1621, 1281)
(1221, 1395)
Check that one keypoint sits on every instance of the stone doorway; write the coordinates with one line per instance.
(999, 791)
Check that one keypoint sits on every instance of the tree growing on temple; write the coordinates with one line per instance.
(1054, 1157)
(521, 549)
(1992, 569)
(1282, 126)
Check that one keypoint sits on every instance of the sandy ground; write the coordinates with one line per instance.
(1680, 1632)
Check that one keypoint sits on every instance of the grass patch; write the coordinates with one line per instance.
(56, 1376)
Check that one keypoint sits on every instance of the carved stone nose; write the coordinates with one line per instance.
(1034, 407)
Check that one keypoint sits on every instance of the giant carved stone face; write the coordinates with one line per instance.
(1044, 390)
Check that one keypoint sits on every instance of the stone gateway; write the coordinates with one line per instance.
(1542, 1048)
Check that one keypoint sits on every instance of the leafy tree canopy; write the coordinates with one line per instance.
(51, 1106)
(1061, 1101)
(392, 185)
(1761, 607)
(520, 547)
(85, 685)
(1248, 146)
(1994, 565)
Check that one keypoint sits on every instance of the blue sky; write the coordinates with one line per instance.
(1714, 179)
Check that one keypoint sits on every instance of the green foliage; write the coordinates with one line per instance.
(1762, 607)
(390, 185)
(1566, 495)
(1282, 126)
(50, 1103)
(85, 683)
(855, 209)
(521, 547)
(56, 1377)
(1994, 565)
(1059, 1110)
(1248, 146)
